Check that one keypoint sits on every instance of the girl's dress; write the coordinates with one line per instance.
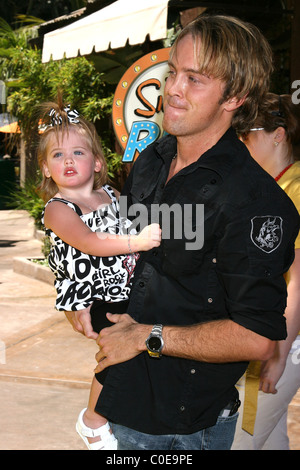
(81, 279)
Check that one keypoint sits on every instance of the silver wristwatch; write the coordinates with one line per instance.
(155, 342)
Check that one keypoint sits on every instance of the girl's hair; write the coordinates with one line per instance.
(280, 111)
(58, 120)
(237, 53)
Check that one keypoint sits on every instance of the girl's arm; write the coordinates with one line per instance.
(68, 226)
(273, 368)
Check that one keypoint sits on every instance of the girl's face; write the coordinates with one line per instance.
(70, 161)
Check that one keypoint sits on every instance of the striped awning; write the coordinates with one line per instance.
(110, 27)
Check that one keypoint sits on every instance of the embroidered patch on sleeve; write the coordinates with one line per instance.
(266, 232)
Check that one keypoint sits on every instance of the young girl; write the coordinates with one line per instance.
(90, 242)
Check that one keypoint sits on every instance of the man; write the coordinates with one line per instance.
(197, 316)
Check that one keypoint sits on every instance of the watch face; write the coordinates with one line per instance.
(154, 343)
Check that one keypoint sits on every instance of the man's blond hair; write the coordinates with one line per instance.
(236, 52)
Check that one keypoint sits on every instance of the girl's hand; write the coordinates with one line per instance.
(270, 373)
(149, 237)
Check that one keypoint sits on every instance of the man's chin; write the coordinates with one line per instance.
(168, 127)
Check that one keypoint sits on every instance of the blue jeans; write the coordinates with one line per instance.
(217, 437)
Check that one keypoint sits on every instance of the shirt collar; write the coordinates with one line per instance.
(219, 158)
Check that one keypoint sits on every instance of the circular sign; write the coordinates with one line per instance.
(138, 103)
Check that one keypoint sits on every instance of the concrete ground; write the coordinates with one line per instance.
(45, 367)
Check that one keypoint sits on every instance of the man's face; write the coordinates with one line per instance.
(192, 100)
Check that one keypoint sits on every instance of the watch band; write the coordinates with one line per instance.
(157, 330)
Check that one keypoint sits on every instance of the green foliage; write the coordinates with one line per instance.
(12, 40)
(114, 163)
(46, 248)
(79, 82)
(26, 198)
(81, 85)
(30, 82)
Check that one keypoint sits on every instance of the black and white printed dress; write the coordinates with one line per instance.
(80, 278)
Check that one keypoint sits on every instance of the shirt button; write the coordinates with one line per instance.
(193, 371)
(214, 260)
(141, 196)
(210, 300)
(182, 408)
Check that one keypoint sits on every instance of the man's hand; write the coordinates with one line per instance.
(122, 341)
(81, 323)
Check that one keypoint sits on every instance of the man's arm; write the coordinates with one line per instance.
(217, 342)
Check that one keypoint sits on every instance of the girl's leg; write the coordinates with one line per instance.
(91, 418)
(94, 428)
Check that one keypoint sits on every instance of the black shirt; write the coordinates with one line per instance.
(249, 230)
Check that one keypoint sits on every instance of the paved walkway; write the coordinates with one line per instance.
(45, 367)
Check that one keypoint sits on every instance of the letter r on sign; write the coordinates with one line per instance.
(141, 135)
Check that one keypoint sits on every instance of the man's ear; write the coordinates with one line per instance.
(232, 104)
